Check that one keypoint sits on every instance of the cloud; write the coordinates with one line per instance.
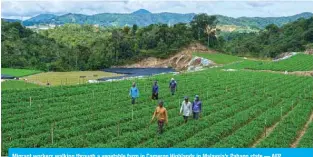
(259, 4)
(28, 9)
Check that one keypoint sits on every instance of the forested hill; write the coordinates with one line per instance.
(261, 22)
(23, 48)
(11, 20)
(273, 40)
(144, 18)
(85, 47)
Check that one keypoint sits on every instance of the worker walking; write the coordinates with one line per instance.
(173, 86)
(186, 109)
(134, 92)
(155, 91)
(196, 107)
(161, 114)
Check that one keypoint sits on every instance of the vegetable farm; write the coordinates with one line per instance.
(299, 62)
(17, 84)
(240, 109)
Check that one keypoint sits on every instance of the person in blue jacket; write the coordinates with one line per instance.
(134, 93)
(155, 91)
(196, 107)
(173, 86)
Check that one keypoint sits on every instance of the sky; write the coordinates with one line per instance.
(25, 9)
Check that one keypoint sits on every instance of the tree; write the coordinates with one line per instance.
(272, 28)
(134, 29)
(205, 24)
(126, 30)
(116, 38)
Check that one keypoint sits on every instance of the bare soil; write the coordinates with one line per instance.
(282, 55)
(302, 73)
(178, 62)
(302, 132)
(309, 51)
(299, 73)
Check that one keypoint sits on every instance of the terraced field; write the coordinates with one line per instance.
(299, 62)
(241, 109)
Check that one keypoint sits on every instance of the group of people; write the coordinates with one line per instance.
(134, 92)
(187, 108)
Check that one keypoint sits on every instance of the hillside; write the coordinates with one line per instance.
(144, 18)
(10, 20)
(273, 40)
(23, 48)
(84, 47)
(261, 22)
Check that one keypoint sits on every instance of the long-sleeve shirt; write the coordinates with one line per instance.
(186, 108)
(134, 92)
(196, 106)
(155, 89)
(160, 113)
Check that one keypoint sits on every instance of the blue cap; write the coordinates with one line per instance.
(197, 96)
(186, 97)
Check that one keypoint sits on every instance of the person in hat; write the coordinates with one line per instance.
(161, 114)
(155, 91)
(173, 86)
(186, 109)
(196, 107)
(134, 93)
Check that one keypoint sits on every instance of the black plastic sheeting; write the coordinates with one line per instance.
(3, 76)
(133, 72)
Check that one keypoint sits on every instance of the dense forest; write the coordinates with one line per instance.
(23, 48)
(272, 41)
(88, 47)
(143, 17)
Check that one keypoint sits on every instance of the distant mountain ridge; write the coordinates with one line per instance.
(143, 17)
(141, 11)
(11, 20)
(261, 22)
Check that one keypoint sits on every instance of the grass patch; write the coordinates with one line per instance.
(299, 62)
(18, 72)
(17, 84)
(68, 78)
(218, 58)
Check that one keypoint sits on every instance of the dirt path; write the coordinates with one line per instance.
(302, 132)
(299, 73)
(268, 131)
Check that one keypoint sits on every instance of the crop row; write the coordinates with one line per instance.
(307, 139)
(100, 115)
(250, 133)
(287, 129)
(61, 114)
(299, 62)
(114, 123)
